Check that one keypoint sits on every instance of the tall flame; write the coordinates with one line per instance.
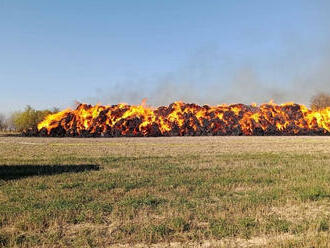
(187, 119)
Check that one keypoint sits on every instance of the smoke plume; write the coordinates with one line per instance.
(214, 78)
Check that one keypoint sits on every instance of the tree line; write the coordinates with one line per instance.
(30, 117)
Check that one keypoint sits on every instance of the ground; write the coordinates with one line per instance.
(165, 192)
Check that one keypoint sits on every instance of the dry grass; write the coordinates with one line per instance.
(168, 192)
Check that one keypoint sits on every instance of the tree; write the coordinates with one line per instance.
(320, 101)
(3, 122)
(29, 118)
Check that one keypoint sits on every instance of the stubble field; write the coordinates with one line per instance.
(158, 192)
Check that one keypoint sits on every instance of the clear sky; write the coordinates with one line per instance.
(55, 52)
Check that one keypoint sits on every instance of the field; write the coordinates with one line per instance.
(158, 192)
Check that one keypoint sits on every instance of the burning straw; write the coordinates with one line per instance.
(180, 119)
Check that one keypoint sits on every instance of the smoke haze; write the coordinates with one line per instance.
(212, 78)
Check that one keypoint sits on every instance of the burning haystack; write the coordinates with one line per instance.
(180, 119)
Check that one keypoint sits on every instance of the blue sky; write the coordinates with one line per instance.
(55, 52)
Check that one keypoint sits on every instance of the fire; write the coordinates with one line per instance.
(180, 119)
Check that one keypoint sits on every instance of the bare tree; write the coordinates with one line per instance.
(3, 122)
(320, 101)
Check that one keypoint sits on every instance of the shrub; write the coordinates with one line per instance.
(29, 118)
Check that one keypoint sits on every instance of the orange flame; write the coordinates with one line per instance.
(187, 119)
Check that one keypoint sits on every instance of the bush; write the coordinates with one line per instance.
(320, 101)
(30, 118)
